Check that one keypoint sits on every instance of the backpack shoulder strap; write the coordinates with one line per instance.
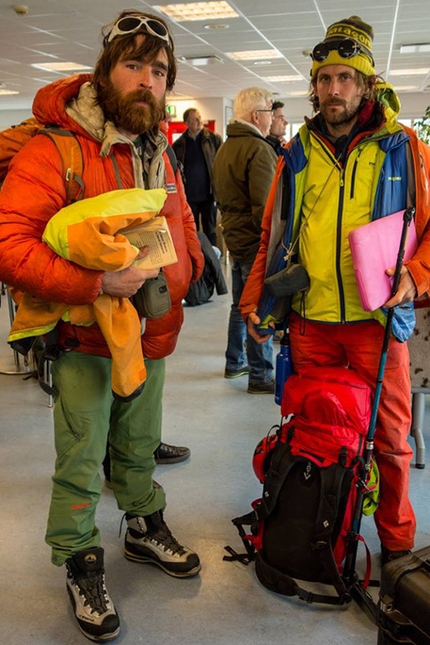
(172, 158)
(71, 156)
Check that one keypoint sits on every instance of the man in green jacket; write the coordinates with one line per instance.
(243, 172)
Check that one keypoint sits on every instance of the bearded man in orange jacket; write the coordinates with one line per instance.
(114, 115)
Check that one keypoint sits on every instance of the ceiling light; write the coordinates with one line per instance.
(60, 67)
(283, 79)
(262, 62)
(199, 61)
(406, 88)
(5, 92)
(298, 93)
(259, 54)
(415, 49)
(198, 11)
(409, 72)
(216, 26)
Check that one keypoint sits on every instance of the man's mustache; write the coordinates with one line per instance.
(329, 102)
(141, 96)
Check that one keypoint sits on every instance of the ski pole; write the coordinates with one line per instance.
(350, 560)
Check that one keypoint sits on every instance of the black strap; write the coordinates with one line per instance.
(172, 158)
(283, 584)
(51, 352)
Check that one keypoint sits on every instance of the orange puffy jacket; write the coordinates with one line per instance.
(35, 190)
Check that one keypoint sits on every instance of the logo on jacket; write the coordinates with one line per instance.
(170, 188)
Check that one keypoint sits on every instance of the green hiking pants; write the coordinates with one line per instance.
(85, 415)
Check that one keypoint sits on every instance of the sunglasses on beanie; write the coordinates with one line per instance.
(346, 48)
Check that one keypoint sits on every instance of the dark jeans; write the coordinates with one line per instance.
(207, 211)
(242, 349)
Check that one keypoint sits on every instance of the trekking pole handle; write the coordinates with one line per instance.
(408, 216)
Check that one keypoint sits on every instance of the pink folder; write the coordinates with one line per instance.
(374, 248)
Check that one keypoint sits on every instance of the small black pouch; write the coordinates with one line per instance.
(288, 281)
(152, 300)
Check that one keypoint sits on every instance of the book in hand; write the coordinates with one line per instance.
(155, 234)
(374, 249)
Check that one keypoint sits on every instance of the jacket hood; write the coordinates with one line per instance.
(50, 102)
(388, 97)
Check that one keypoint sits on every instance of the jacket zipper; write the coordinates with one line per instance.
(354, 171)
(338, 245)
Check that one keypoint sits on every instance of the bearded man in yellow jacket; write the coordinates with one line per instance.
(350, 164)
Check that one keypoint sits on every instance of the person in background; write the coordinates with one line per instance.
(196, 150)
(350, 164)
(243, 172)
(115, 117)
(276, 136)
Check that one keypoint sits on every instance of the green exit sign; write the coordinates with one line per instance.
(171, 109)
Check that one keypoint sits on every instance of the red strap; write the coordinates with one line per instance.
(366, 579)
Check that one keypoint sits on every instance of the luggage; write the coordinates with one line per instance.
(310, 470)
(405, 600)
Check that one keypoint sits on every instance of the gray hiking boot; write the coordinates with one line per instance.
(149, 540)
(94, 610)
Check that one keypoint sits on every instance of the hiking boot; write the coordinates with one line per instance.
(148, 540)
(94, 610)
(166, 454)
(236, 372)
(264, 387)
(389, 556)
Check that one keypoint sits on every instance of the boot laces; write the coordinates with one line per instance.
(164, 538)
(92, 588)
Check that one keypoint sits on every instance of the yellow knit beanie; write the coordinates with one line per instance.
(361, 33)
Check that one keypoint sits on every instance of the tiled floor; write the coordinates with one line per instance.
(225, 605)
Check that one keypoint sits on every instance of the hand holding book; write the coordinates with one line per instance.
(154, 234)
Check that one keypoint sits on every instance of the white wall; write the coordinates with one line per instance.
(210, 108)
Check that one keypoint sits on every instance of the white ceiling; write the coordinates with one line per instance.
(69, 30)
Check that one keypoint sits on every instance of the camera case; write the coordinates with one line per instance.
(287, 282)
(152, 300)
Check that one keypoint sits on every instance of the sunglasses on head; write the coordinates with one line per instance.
(346, 48)
(130, 24)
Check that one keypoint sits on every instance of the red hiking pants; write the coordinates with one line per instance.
(358, 346)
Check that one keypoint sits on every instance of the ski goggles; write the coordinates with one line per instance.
(130, 24)
(346, 48)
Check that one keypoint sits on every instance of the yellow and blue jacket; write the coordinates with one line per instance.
(320, 193)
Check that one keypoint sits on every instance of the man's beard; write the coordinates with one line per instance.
(126, 115)
(340, 117)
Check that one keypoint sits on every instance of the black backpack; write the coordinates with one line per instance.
(310, 468)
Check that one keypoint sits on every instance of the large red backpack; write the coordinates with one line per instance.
(310, 471)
